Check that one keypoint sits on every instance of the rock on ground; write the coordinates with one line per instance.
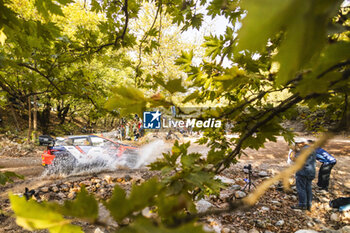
(306, 231)
(203, 205)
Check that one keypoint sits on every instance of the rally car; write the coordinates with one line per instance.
(84, 149)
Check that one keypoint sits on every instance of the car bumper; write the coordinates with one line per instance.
(46, 159)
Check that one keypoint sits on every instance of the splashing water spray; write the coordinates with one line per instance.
(100, 160)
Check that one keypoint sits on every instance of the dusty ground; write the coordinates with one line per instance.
(274, 206)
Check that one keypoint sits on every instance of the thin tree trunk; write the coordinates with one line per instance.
(14, 117)
(29, 119)
(35, 119)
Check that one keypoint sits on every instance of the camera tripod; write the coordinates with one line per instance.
(249, 182)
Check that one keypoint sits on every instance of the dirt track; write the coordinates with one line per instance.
(272, 158)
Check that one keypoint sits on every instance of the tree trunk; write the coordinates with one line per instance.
(14, 117)
(45, 118)
(29, 120)
(35, 119)
(344, 121)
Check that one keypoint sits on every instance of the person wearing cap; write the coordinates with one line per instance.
(328, 162)
(304, 177)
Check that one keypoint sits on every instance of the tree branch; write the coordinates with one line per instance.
(336, 66)
(273, 112)
(125, 9)
(43, 75)
(145, 38)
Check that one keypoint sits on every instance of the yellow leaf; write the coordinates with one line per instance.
(3, 36)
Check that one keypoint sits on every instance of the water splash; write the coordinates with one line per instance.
(150, 152)
(103, 161)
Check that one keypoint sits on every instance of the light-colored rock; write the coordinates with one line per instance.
(345, 229)
(203, 205)
(280, 223)
(335, 217)
(267, 231)
(105, 217)
(65, 188)
(225, 230)
(54, 189)
(86, 183)
(207, 228)
(263, 174)
(310, 224)
(316, 220)
(109, 179)
(98, 230)
(306, 231)
(44, 189)
(240, 194)
(242, 231)
(45, 197)
(146, 212)
(214, 224)
(225, 194)
(324, 199)
(71, 195)
(235, 187)
(260, 223)
(125, 221)
(253, 231)
(61, 195)
(264, 208)
(276, 203)
(224, 179)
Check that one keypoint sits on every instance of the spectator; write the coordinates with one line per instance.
(136, 132)
(328, 162)
(122, 132)
(127, 131)
(304, 177)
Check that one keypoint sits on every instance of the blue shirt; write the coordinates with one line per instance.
(309, 169)
(324, 157)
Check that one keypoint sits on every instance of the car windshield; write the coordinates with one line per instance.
(84, 141)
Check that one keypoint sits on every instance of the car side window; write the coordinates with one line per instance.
(81, 142)
(96, 141)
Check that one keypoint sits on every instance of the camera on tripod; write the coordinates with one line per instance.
(249, 183)
(248, 167)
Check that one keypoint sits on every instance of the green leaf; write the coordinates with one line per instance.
(196, 21)
(213, 46)
(118, 205)
(142, 225)
(190, 159)
(190, 97)
(215, 156)
(140, 197)
(173, 85)
(302, 22)
(6, 177)
(45, 7)
(127, 99)
(185, 60)
(264, 19)
(32, 215)
(325, 72)
(332, 55)
(84, 206)
(3, 37)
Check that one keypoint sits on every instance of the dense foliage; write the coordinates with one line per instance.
(273, 56)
